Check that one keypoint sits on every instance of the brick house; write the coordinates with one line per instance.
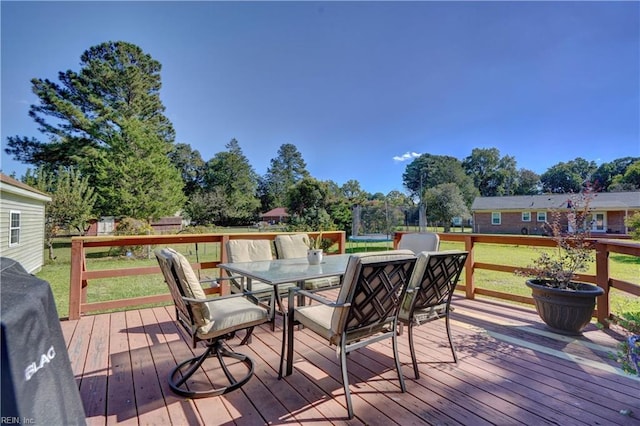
(275, 216)
(527, 214)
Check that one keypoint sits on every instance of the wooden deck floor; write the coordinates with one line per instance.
(511, 370)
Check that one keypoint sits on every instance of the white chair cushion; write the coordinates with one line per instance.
(353, 267)
(317, 283)
(292, 246)
(249, 250)
(317, 318)
(227, 314)
(191, 287)
(425, 314)
(417, 242)
(416, 276)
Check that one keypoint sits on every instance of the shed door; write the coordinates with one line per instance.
(106, 225)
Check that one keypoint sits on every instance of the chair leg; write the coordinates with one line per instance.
(413, 352)
(453, 349)
(290, 340)
(275, 300)
(345, 380)
(285, 327)
(178, 376)
(247, 338)
(394, 339)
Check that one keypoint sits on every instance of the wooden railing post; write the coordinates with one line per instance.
(342, 244)
(80, 276)
(602, 280)
(224, 258)
(469, 283)
(75, 287)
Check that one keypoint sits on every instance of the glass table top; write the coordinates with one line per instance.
(278, 271)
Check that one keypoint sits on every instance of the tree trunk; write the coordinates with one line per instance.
(50, 246)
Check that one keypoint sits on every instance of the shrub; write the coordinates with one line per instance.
(573, 251)
(131, 226)
(633, 222)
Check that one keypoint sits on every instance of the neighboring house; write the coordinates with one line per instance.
(22, 223)
(274, 216)
(527, 214)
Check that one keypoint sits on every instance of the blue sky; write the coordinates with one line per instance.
(358, 87)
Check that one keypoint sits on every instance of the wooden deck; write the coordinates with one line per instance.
(511, 370)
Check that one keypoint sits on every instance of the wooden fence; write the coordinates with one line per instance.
(80, 276)
(602, 277)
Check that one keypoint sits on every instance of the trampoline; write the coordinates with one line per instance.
(370, 238)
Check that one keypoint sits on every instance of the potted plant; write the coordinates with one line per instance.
(563, 302)
(314, 254)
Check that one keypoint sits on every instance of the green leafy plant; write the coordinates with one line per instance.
(633, 222)
(573, 252)
(625, 353)
(131, 226)
(316, 243)
(629, 320)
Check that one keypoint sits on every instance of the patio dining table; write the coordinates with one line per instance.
(277, 272)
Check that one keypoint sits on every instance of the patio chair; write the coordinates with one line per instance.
(295, 246)
(254, 251)
(428, 295)
(250, 251)
(365, 311)
(420, 241)
(211, 320)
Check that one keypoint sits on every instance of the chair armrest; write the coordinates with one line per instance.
(213, 281)
(216, 281)
(213, 299)
(231, 277)
(294, 291)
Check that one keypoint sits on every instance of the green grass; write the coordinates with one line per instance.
(57, 273)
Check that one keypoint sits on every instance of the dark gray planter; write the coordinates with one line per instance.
(565, 311)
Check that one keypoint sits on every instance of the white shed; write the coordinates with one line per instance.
(22, 223)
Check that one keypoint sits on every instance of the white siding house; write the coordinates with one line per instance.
(22, 223)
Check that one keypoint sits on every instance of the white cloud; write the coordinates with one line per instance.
(406, 156)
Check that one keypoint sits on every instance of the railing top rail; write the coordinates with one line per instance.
(185, 235)
(113, 240)
(623, 247)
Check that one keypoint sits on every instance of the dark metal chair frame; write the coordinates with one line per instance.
(179, 376)
(372, 303)
(428, 297)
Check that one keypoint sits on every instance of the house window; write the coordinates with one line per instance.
(14, 228)
(526, 216)
(496, 218)
(542, 216)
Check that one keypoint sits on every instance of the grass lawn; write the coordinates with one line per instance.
(57, 273)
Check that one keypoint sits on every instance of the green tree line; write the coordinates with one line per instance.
(109, 150)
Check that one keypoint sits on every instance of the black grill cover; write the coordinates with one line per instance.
(38, 386)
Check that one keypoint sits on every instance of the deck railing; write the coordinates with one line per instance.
(602, 277)
(80, 276)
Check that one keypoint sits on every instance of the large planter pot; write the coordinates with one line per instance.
(563, 310)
